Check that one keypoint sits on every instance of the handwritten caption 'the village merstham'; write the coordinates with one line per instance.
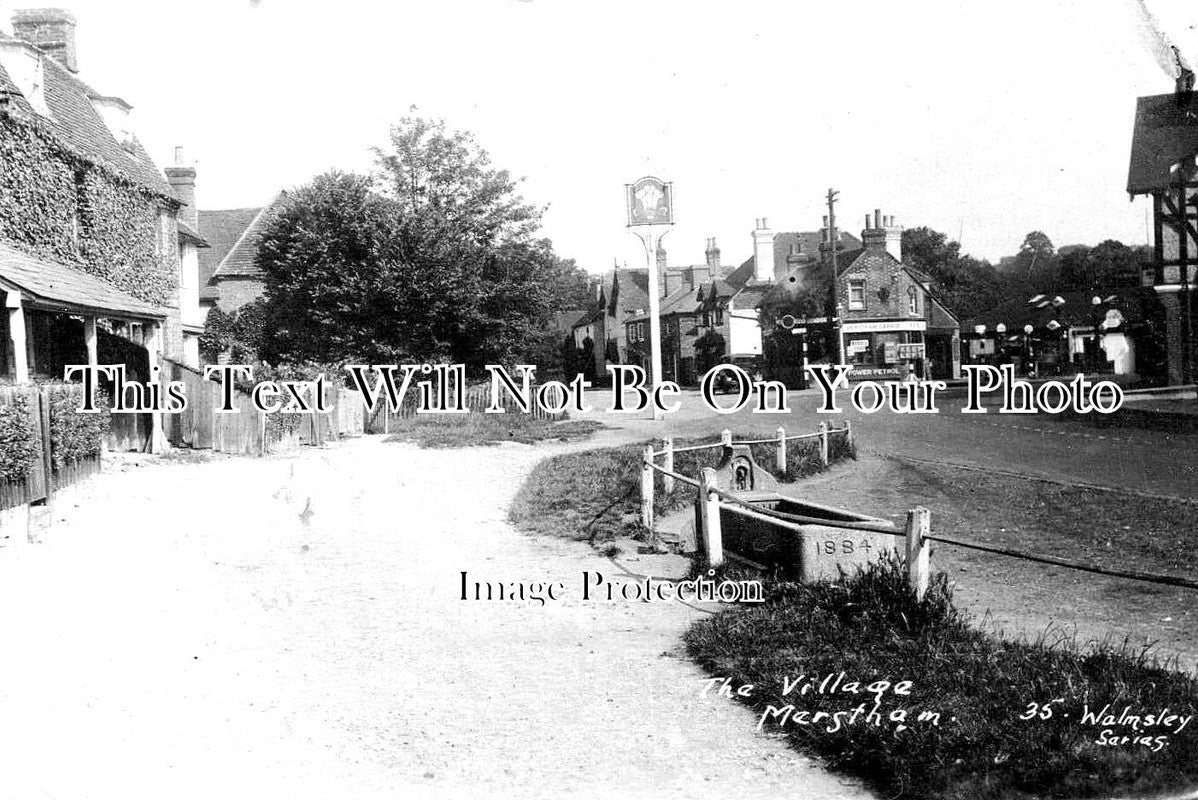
(870, 710)
(440, 389)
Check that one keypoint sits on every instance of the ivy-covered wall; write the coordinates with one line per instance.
(44, 185)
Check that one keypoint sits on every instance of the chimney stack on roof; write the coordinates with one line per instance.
(763, 251)
(885, 233)
(712, 253)
(182, 178)
(52, 30)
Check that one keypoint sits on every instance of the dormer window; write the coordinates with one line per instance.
(26, 67)
(117, 115)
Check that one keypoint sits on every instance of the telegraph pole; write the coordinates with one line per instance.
(835, 238)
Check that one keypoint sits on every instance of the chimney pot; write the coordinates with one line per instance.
(877, 218)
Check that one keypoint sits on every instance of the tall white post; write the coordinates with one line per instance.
(89, 338)
(919, 525)
(651, 243)
(823, 444)
(709, 518)
(158, 443)
(16, 332)
(781, 460)
(647, 491)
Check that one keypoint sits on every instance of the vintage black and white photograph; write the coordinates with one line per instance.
(533, 398)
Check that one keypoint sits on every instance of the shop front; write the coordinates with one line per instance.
(885, 349)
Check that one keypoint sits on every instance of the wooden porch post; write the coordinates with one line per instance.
(16, 332)
(89, 338)
(158, 443)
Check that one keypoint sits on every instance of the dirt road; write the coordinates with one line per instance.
(189, 630)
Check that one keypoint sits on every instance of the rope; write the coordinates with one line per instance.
(697, 447)
(1147, 577)
(674, 475)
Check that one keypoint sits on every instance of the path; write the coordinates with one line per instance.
(244, 652)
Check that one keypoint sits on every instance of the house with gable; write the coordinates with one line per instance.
(892, 322)
(90, 235)
(229, 276)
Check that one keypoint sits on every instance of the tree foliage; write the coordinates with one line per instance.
(434, 257)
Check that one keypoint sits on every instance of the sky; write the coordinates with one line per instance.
(982, 120)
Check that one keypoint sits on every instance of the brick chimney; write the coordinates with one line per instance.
(712, 253)
(763, 251)
(884, 233)
(52, 30)
(182, 178)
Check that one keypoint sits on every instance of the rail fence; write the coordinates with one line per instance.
(711, 501)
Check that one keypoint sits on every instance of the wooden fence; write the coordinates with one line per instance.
(44, 478)
(249, 431)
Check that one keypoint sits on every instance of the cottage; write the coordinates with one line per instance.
(90, 235)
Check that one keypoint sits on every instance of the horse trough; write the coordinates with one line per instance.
(806, 551)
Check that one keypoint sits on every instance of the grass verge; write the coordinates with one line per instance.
(471, 430)
(964, 736)
(595, 495)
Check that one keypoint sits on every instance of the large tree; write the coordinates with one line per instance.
(433, 257)
(966, 284)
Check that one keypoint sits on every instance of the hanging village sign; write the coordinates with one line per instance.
(650, 213)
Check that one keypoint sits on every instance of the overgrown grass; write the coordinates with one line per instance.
(595, 495)
(471, 430)
(871, 628)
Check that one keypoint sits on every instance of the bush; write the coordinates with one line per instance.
(73, 435)
(19, 449)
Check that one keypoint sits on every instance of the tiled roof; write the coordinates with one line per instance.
(188, 232)
(683, 300)
(79, 125)
(241, 259)
(1163, 135)
(222, 230)
(565, 321)
(808, 247)
(68, 287)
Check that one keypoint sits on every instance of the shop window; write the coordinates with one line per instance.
(856, 295)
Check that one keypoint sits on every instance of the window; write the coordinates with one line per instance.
(913, 301)
(856, 295)
(719, 315)
(706, 320)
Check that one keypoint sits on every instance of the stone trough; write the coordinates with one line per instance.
(805, 551)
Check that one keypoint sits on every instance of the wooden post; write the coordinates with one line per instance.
(919, 525)
(781, 450)
(89, 339)
(848, 434)
(726, 438)
(709, 519)
(16, 332)
(667, 481)
(261, 433)
(647, 489)
(158, 443)
(823, 444)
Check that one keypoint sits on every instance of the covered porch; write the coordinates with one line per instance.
(58, 315)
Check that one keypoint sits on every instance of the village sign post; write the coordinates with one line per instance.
(650, 215)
